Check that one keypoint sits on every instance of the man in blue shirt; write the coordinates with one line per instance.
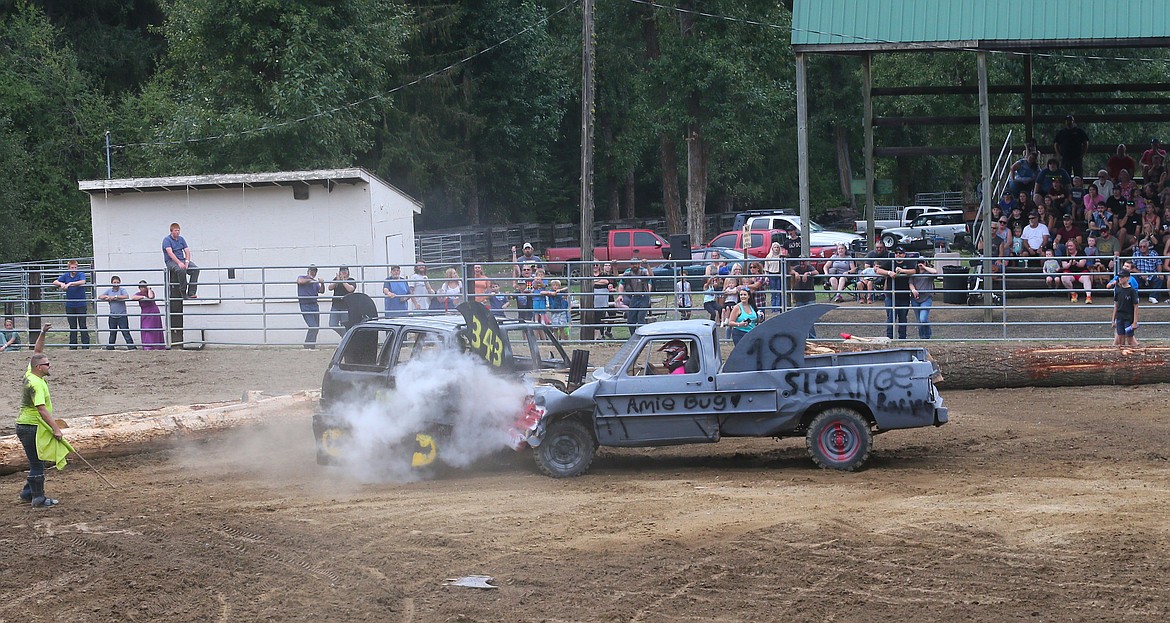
(309, 286)
(183, 272)
(117, 298)
(396, 292)
(76, 305)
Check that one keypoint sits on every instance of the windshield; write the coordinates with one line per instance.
(615, 363)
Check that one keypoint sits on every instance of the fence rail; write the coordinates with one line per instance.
(258, 305)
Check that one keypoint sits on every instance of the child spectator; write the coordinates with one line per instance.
(539, 288)
(1051, 269)
(558, 305)
(682, 297)
(1125, 311)
(9, 337)
(711, 305)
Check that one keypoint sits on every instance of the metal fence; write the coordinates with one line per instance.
(258, 305)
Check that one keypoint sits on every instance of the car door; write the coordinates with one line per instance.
(921, 226)
(359, 374)
(646, 245)
(644, 404)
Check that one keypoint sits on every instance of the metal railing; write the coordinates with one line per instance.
(258, 305)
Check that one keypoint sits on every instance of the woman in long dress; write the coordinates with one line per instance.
(151, 320)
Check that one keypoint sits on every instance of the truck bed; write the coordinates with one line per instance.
(868, 357)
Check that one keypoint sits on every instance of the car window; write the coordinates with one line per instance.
(654, 359)
(644, 239)
(368, 348)
(920, 221)
(757, 240)
(621, 239)
(725, 240)
(417, 343)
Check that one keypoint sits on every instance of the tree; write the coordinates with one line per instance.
(268, 84)
(49, 137)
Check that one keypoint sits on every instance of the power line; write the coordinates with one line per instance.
(325, 113)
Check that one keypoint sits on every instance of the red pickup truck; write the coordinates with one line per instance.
(620, 246)
(761, 241)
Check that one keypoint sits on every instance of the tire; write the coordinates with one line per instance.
(567, 449)
(889, 241)
(840, 439)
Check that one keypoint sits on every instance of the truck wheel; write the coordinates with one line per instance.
(889, 241)
(839, 438)
(567, 449)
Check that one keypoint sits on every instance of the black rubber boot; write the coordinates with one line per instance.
(38, 492)
(26, 493)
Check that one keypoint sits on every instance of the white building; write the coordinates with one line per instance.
(251, 235)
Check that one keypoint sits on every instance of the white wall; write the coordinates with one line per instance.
(245, 229)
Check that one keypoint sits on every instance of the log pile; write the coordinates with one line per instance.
(120, 434)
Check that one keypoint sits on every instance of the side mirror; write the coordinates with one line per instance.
(658, 244)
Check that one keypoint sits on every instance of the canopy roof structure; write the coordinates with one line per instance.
(868, 27)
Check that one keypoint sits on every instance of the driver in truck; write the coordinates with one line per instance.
(674, 357)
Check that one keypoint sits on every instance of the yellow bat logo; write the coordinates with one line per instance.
(331, 441)
(425, 453)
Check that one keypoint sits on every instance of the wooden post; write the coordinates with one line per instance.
(867, 122)
(34, 305)
(985, 163)
(174, 310)
(588, 53)
(802, 147)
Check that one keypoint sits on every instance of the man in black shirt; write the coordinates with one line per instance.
(1071, 143)
(792, 241)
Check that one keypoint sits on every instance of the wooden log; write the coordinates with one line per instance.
(973, 366)
(990, 365)
(119, 434)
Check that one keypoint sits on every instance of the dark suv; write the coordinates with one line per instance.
(363, 368)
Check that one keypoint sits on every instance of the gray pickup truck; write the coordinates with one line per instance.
(669, 385)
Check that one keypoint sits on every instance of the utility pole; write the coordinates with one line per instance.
(588, 55)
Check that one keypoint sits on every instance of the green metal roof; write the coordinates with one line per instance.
(872, 25)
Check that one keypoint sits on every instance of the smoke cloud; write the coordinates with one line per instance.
(454, 397)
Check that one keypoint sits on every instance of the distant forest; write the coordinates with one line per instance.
(472, 107)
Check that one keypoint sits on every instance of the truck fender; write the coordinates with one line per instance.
(816, 409)
(554, 404)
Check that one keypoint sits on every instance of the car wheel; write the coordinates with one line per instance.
(567, 449)
(839, 438)
(889, 241)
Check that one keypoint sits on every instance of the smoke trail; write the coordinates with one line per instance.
(439, 390)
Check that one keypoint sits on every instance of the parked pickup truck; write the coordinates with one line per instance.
(759, 241)
(669, 385)
(888, 217)
(620, 246)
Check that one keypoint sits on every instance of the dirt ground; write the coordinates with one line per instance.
(1031, 504)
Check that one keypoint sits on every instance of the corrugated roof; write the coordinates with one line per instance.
(859, 25)
(236, 180)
